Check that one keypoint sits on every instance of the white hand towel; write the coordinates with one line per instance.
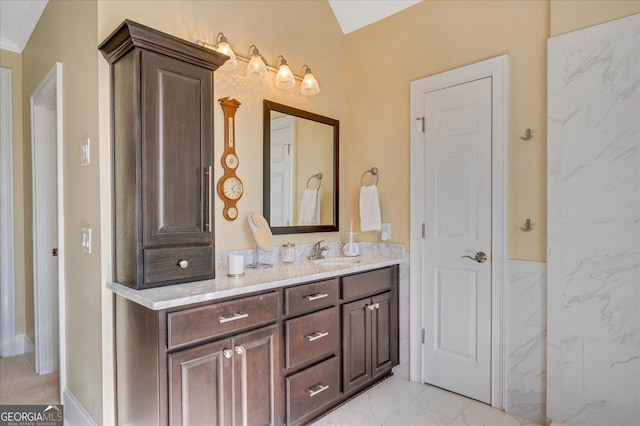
(369, 209)
(310, 208)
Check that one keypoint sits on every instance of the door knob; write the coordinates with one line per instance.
(480, 257)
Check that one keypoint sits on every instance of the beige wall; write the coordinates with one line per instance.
(304, 32)
(22, 258)
(571, 15)
(66, 33)
(426, 39)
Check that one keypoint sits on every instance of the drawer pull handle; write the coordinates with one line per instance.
(234, 317)
(317, 296)
(317, 389)
(317, 335)
(239, 350)
(228, 353)
(183, 264)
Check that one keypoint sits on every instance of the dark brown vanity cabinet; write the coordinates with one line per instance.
(369, 328)
(162, 130)
(210, 364)
(228, 382)
(254, 360)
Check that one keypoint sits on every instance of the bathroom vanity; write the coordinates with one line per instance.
(279, 346)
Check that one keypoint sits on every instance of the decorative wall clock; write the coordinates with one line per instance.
(230, 188)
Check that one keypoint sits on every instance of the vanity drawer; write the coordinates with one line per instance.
(371, 282)
(312, 389)
(307, 297)
(311, 336)
(198, 324)
(163, 265)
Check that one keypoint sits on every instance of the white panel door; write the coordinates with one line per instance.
(282, 177)
(457, 350)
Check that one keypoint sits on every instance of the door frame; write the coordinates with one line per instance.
(289, 122)
(7, 249)
(49, 93)
(498, 69)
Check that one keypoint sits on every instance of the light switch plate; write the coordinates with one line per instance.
(385, 235)
(85, 152)
(86, 240)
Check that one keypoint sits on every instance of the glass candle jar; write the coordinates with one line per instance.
(288, 253)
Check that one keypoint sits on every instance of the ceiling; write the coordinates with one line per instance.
(355, 14)
(18, 18)
(17, 21)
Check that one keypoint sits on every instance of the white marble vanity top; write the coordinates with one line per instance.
(254, 280)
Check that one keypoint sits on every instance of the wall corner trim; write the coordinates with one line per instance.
(74, 412)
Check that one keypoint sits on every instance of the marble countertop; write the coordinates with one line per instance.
(254, 280)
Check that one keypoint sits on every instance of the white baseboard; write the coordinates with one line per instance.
(23, 344)
(74, 412)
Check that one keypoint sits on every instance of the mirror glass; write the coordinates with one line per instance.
(300, 180)
(261, 232)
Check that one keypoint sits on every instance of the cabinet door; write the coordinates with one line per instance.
(356, 344)
(382, 347)
(200, 386)
(256, 372)
(176, 151)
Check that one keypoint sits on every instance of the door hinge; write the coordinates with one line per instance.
(420, 123)
(54, 252)
(423, 334)
(424, 230)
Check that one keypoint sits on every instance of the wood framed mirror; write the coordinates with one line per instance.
(300, 170)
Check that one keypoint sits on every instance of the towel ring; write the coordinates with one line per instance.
(373, 171)
(317, 176)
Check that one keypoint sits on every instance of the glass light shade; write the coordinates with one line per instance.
(232, 63)
(309, 84)
(284, 77)
(257, 69)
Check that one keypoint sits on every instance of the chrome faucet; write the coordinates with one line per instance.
(318, 251)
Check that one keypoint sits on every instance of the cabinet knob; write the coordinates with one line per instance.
(239, 350)
(183, 264)
(228, 353)
(371, 307)
(377, 305)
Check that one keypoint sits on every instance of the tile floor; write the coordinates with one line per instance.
(399, 402)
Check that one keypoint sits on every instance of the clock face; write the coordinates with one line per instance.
(232, 212)
(231, 161)
(232, 188)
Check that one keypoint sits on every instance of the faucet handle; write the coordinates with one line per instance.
(316, 246)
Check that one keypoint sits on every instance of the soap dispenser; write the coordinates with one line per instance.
(351, 248)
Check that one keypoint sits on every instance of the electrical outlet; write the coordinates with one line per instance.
(86, 240)
(85, 157)
(385, 235)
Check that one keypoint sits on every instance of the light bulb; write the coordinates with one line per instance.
(284, 77)
(257, 69)
(231, 63)
(309, 84)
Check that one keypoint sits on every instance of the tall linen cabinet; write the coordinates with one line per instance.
(162, 124)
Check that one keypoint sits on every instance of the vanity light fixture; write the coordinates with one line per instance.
(222, 46)
(309, 85)
(284, 76)
(257, 68)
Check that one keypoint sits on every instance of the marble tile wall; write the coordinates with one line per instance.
(593, 300)
(526, 340)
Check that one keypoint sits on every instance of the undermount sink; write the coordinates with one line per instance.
(336, 261)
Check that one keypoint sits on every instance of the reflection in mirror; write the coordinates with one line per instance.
(263, 237)
(300, 170)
